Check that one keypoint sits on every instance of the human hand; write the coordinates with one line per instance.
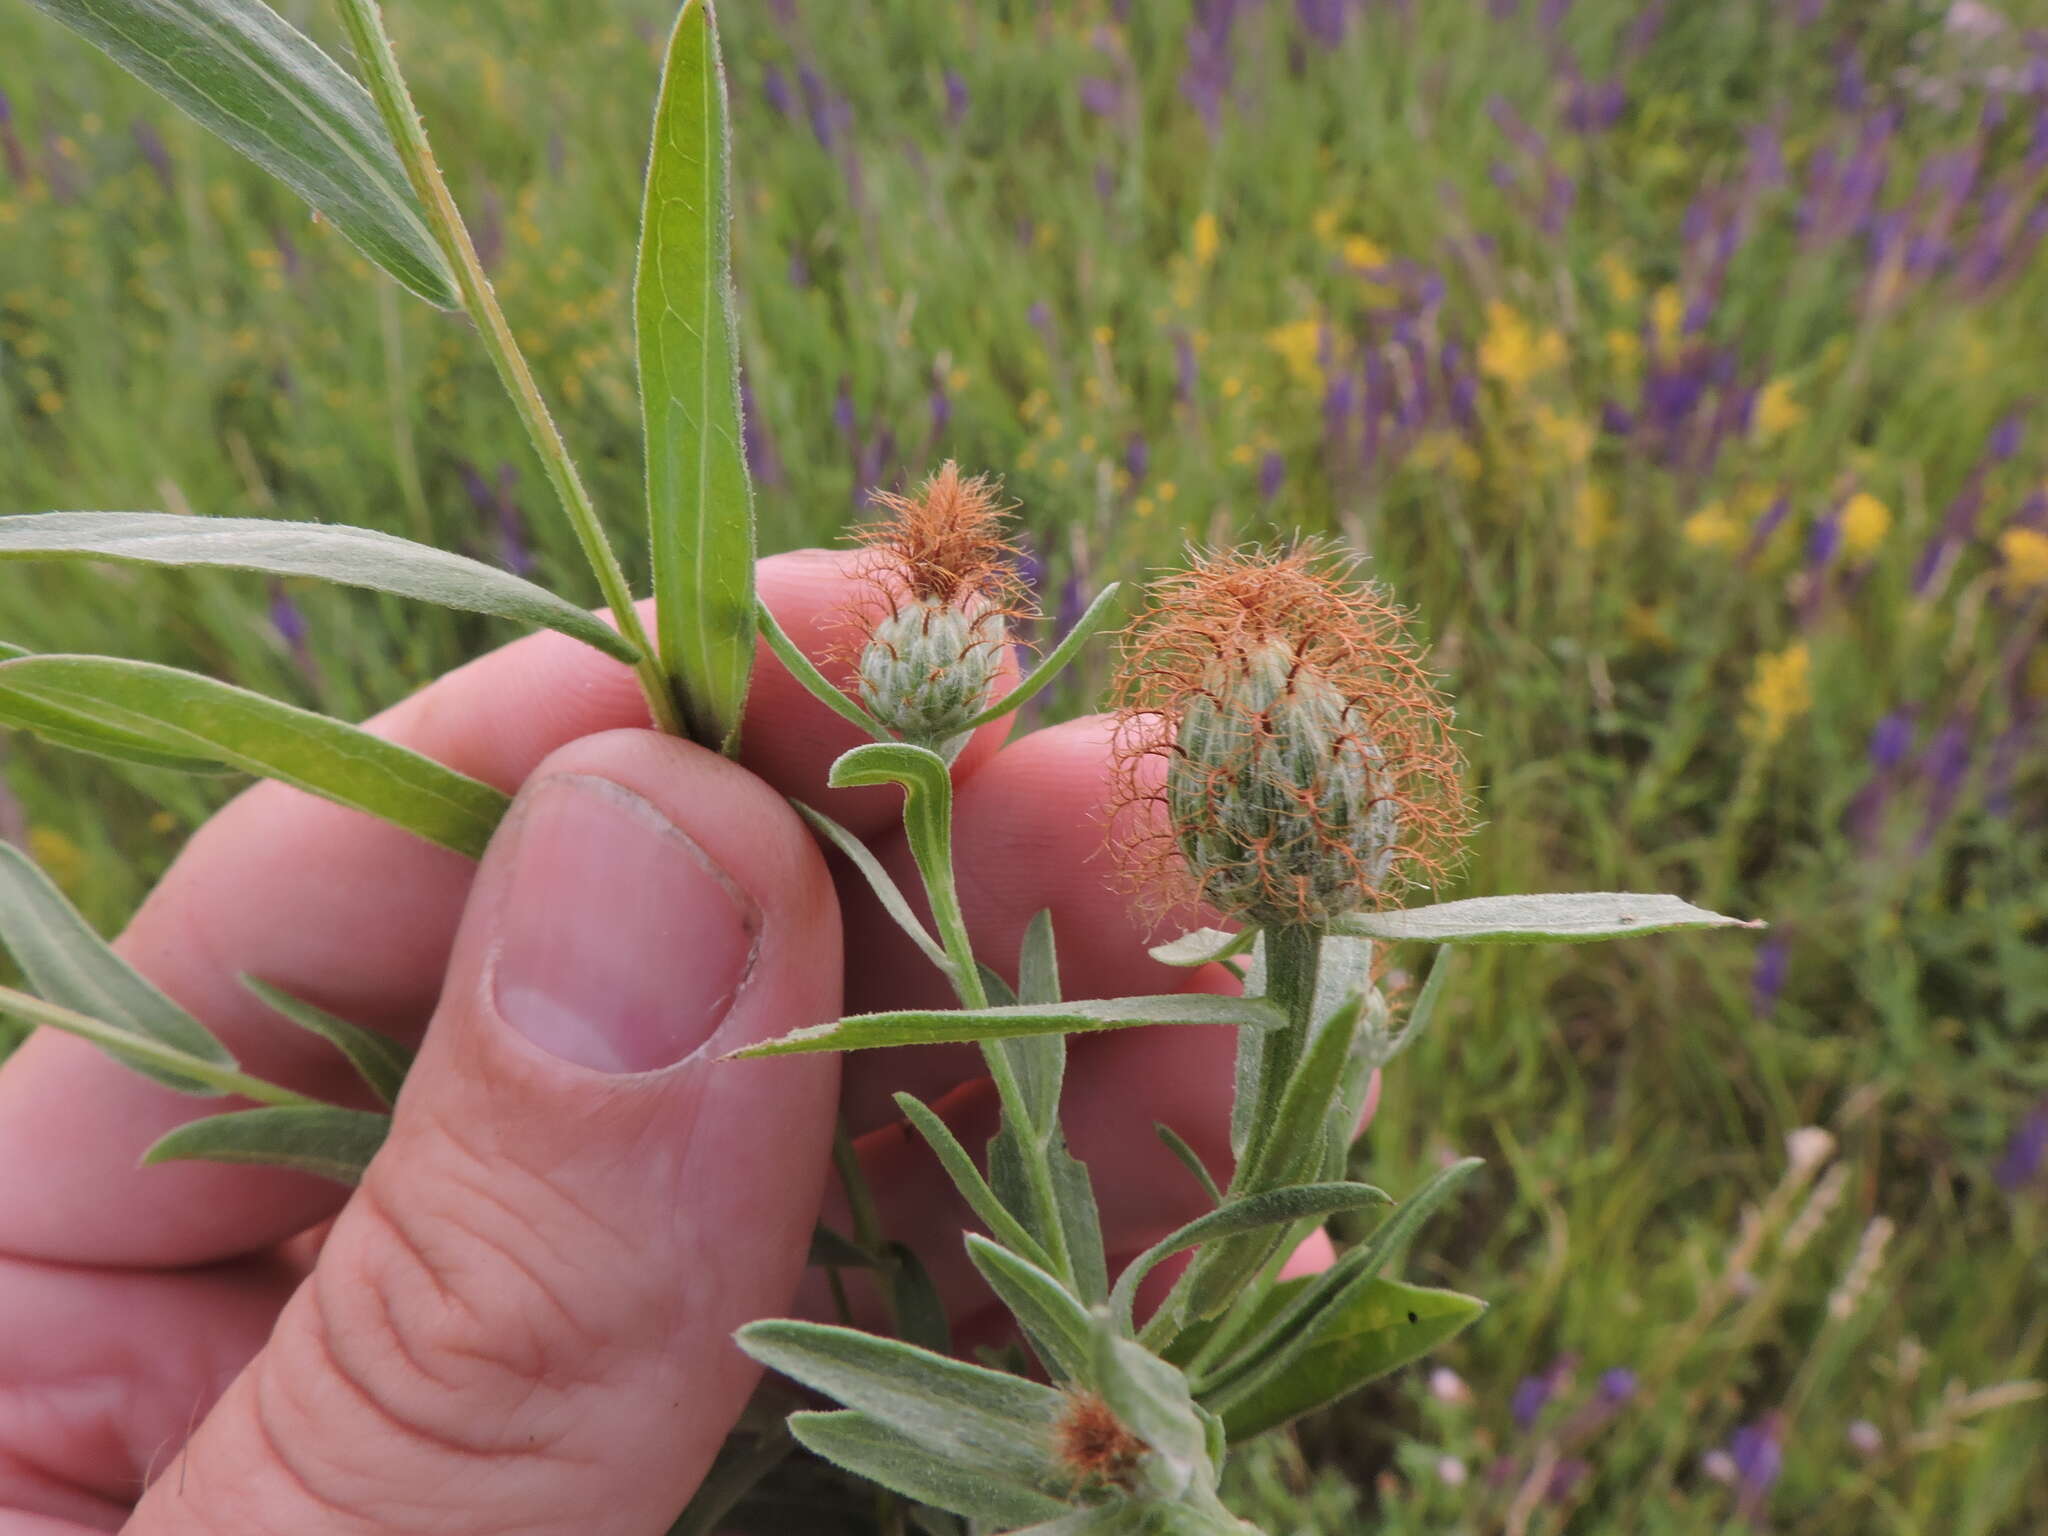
(522, 1318)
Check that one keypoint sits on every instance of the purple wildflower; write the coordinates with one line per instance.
(1891, 740)
(10, 144)
(775, 91)
(1272, 475)
(2025, 1152)
(286, 619)
(1534, 1393)
(1758, 1452)
(1617, 1385)
(763, 462)
(1945, 766)
(1206, 80)
(1187, 376)
(1767, 977)
(1137, 457)
(1101, 95)
(1325, 21)
(155, 153)
(1565, 1479)
(956, 99)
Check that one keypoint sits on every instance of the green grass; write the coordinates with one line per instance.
(1659, 698)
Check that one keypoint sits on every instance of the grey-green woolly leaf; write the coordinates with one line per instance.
(1058, 1325)
(355, 557)
(886, 890)
(379, 1060)
(975, 1190)
(1377, 1328)
(1123, 1518)
(989, 1424)
(1039, 1064)
(865, 1031)
(914, 1300)
(243, 72)
(322, 1139)
(186, 713)
(1248, 1213)
(1293, 1150)
(1354, 1271)
(1204, 946)
(1074, 1191)
(1153, 1400)
(871, 1449)
(73, 967)
(1189, 1159)
(815, 683)
(700, 500)
(1566, 918)
(1093, 618)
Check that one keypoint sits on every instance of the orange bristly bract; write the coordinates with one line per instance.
(1309, 766)
(941, 590)
(1094, 1445)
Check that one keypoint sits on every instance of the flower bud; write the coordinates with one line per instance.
(934, 622)
(1308, 767)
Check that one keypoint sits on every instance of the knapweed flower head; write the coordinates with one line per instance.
(1309, 768)
(939, 591)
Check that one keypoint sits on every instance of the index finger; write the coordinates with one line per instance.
(355, 916)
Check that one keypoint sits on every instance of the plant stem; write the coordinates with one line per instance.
(387, 85)
(860, 1200)
(141, 1048)
(1293, 960)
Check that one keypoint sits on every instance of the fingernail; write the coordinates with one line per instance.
(621, 943)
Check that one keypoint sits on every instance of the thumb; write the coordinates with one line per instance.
(523, 1318)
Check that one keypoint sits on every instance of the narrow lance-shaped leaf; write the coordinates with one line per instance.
(243, 72)
(871, 1449)
(1562, 918)
(322, 1139)
(354, 557)
(700, 500)
(187, 713)
(72, 966)
(990, 1423)
(974, 1189)
(1098, 614)
(1058, 1325)
(80, 733)
(1378, 1328)
(950, 1026)
(886, 890)
(379, 1060)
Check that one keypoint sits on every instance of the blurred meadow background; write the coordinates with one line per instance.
(1679, 363)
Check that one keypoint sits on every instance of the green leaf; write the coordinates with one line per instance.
(1058, 1325)
(241, 71)
(864, 1031)
(1248, 1213)
(1568, 918)
(322, 1139)
(81, 733)
(1204, 945)
(815, 683)
(981, 1199)
(1097, 615)
(871, 1449)
(891, 896)
(990, 1424)
(354, 557)
(186, 713)
(379, 1060)
(1152, 1397)
(700, 501)
(914, 1301)
(1333, 1288)
(1189, 1158)
(1380, 1327)
(1039, 1064)
(73, 967)
(834, 1250)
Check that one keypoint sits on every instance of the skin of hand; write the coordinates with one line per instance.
(522, 1319)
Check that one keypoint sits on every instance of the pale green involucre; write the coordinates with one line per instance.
(1278, 796)
(927, 670)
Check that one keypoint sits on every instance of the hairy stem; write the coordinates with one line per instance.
(387, 85)
(1293, 960)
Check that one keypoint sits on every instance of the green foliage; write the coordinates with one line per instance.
(1567, 918)
(380, 1061)
(700, 501)
(864, 1031)
(321, 1139)
(239, 68)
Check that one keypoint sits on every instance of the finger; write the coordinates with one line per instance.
(523, 1317)
(103, 1374)
(353, 915)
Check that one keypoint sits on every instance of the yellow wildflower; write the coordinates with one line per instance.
(1624, 349)
(1570, 437)
(1645, 624)
(1326, 220)
(1592, 516)
(1512, 352)
(1667, 315)
(1780, 692)
(62, 859)
(1620, 280)
(1447, 451)
(1713, 527)
(1776, 411)
(1298, 343)
(1205, 239)
(1233, 386)
(1865, 522)
(1104, 335)
(2025, 553)
(1361, 252)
